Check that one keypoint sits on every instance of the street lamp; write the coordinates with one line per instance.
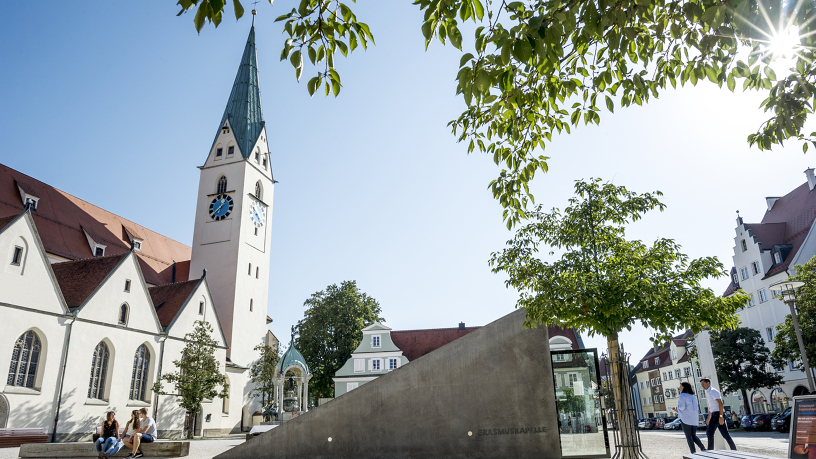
(788, 291)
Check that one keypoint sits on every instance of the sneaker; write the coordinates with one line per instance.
(139, 454)
(130, 456)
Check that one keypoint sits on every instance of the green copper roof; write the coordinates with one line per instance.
(290, 358)
(244, 106)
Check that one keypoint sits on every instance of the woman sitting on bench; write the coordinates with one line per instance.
(110, 434)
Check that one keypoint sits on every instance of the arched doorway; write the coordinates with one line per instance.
(758, 403)
(800, 390)
(4, 411)
(779, 400)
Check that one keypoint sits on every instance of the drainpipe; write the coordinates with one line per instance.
(70, 323)
(162, 339)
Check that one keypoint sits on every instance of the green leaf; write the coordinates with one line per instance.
(731, 82)
(312, 85)
(335, 88)
(770, 73)
(239, 9)
(522, 50)
(465, 59)
(610, 105)
(296, 59)
(478, 8)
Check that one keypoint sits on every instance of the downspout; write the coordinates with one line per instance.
(158, 378)
(62, 379)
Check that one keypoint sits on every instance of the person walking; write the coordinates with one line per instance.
(688, 411)
(109, 434)
(569, 423)
(715, 420)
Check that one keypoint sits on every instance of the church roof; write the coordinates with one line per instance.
(244, 106)
(6, 220)
(169, 298)
(78, 279)
(60, 219)
(292, 357)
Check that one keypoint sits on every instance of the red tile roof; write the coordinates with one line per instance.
(416, 343)
(796, 211)
(60, 219)
(169, 298)
(78, 279)
(6, 220)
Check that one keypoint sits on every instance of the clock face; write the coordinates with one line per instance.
(221, 207)
(258, 214)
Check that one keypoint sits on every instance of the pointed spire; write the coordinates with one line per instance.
(244, 106)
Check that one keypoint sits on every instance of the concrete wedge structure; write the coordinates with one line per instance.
(488, 394)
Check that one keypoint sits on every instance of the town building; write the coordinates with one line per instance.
(95, 307)
(766, 253)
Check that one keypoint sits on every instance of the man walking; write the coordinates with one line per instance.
(715, 418)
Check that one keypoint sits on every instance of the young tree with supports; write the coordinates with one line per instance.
(742, 361)
(603, 283)
(197, 376)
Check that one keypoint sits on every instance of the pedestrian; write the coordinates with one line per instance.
(559, 425)
(109, 434)
(569, 423)
(715, 420)
(688, 411)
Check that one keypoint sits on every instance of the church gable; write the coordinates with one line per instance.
(26, 278)
(197, 305)
(121, 298)
(225, 147)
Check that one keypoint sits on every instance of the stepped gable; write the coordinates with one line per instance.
(62, 219)
(169, 299)
(486, 395)
(78, 279)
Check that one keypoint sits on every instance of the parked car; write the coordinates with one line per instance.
(673, 425)
(781, 422)
(762, 421)
(650, 423)
(643, 423)
(746, 423)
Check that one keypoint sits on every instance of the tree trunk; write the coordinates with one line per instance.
(746, 401)
(629, 447)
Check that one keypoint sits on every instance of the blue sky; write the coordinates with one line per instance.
(119, 105)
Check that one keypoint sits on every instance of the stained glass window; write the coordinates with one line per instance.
(141, 366)
(99, 368)
(24, 360)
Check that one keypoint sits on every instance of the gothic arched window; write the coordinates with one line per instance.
(99, 369)
(258, 191)
(222, 185)
(141, 366)
(24, 360)
(123, 314)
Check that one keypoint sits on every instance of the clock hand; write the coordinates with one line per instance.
(222, 205)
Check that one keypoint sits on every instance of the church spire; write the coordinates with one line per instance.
(244, 106)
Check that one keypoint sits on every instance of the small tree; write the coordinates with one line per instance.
(197, 376)
(603, 283)
(742, 361)
(262, 374)
(332, 329)
(569, 403)
(787, 346)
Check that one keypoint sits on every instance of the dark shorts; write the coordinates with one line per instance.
(147, 438)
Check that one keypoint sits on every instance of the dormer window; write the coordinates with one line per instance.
(27, 196)
(135, 239)
(657, 360)
(777, 258)
(735, 278)
(744, 246)
(375, 341)
(645, 364)
(99, 251)
(137, 244)
(31, 203)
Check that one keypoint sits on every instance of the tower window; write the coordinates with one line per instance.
(258, 191)
(222, 184)
(250, 305)
(201, 308)
(257, 155)
(127, 285)
(219, 152)
(264, 162)
(18, 255)
(257, 271)
(249, 271)
(230, 150)
(256, 231)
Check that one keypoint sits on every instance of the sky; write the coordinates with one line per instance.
(119, 105)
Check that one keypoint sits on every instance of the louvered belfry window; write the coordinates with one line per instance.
(24, 360)
(99, 369)
(138, 381)
(222, 184)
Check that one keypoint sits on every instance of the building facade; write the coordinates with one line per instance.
(95, 307)
(766, 253)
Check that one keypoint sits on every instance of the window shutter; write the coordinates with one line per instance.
(370, 364)
(359, 365)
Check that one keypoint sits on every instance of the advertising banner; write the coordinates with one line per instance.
(803, 428)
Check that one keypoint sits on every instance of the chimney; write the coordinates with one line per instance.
(810, 178)
(771, 200)
(461, 325)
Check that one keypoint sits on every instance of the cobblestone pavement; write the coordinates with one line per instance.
(672, 443)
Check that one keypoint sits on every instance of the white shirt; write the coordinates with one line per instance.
(151, 426)
(712, 395)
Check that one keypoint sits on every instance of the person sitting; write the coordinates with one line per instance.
(131, 428)
(110, 434)
(145, 434)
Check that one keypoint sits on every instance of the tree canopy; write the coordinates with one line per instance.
(543, 67)
(331, 329)
(787, 347)
(742, 361)
(262, 374)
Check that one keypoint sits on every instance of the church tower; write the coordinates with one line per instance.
(232, 230)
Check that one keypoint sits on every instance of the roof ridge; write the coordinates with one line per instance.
(174, 283)
(435, 329)
(63, 263)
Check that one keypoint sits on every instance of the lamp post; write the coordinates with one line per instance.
(788, 291)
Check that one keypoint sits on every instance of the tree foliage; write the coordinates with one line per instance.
(742, 361)
(331, 329)
(542, 67)
(787, 347)
(569, 403)
(262, 373)
(197, 376)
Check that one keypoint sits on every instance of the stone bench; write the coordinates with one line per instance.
(87, 449)
(12, 438)
(725, 454)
